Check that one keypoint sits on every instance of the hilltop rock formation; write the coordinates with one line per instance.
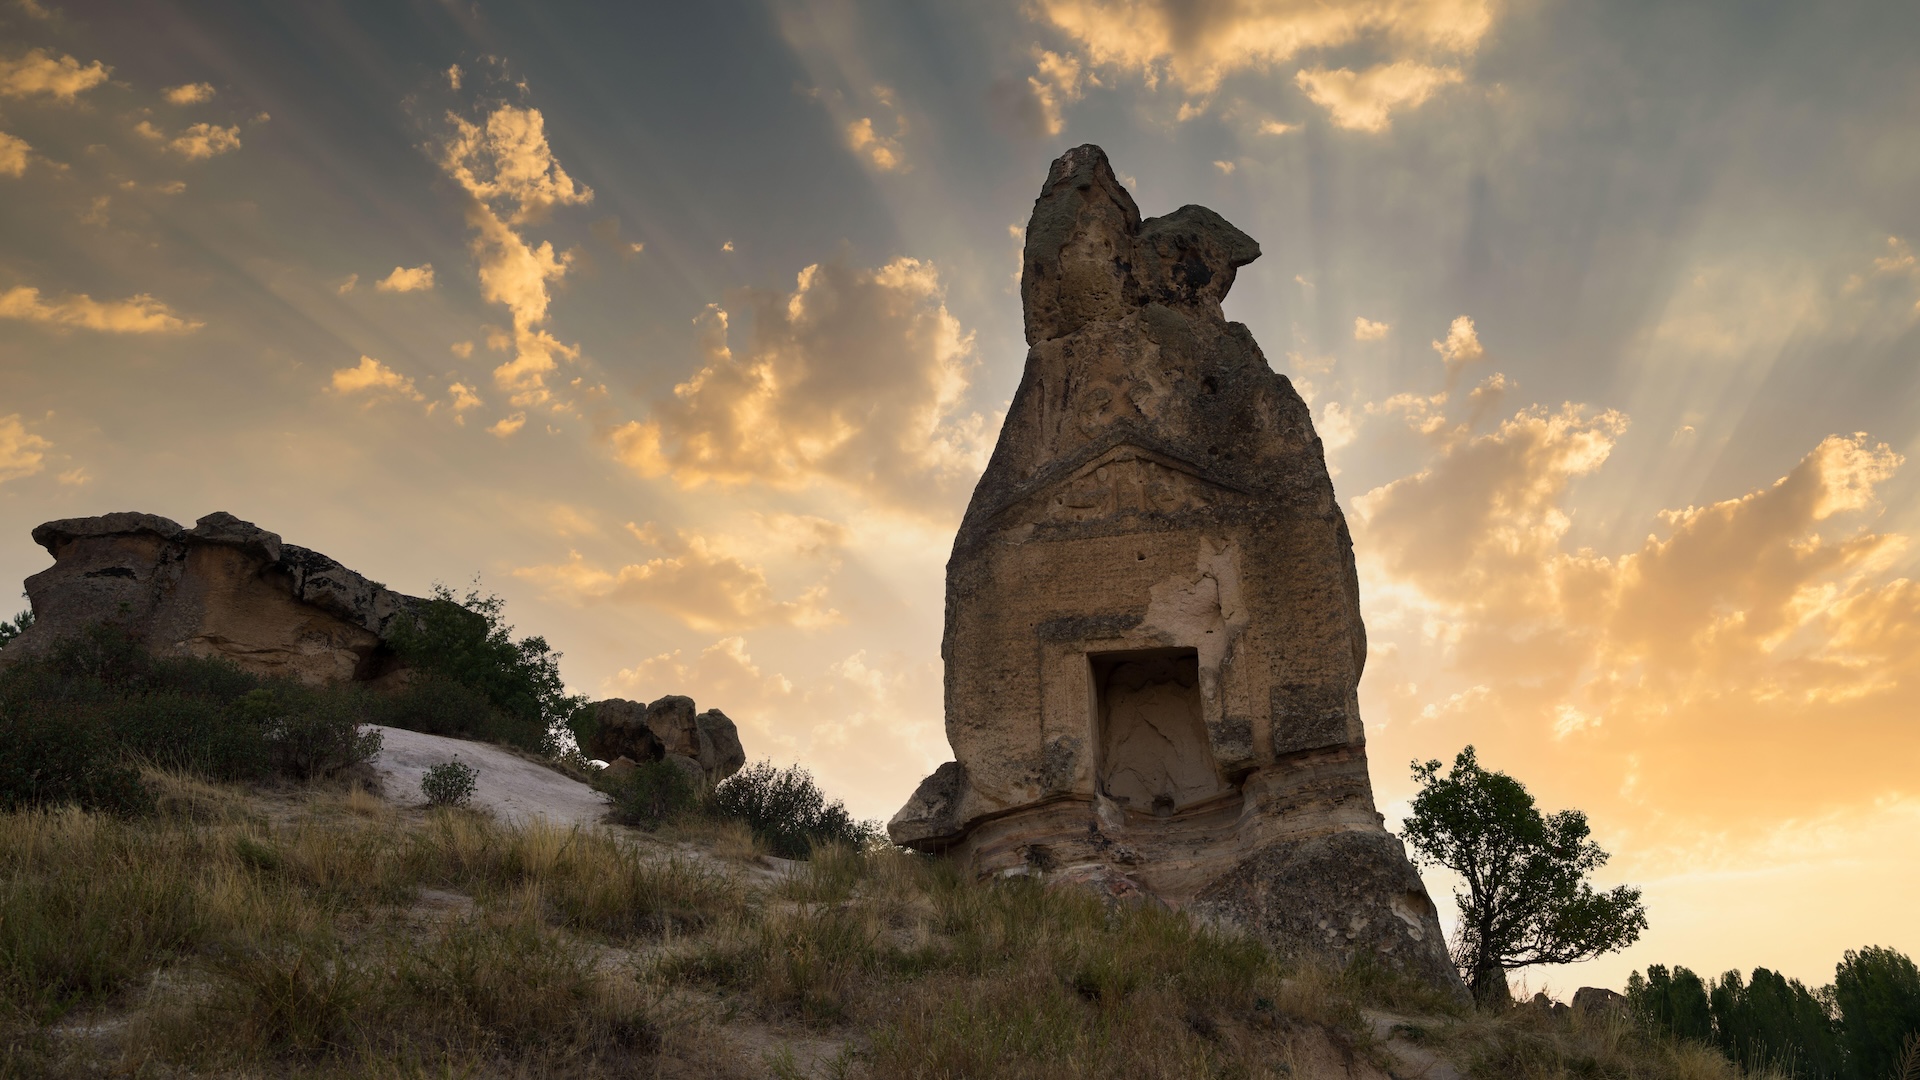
(706, 743)
(224, 588)
(1153, 637)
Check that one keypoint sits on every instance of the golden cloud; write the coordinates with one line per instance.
(856, 376)
(200, 141)
(1055, 83)
(39, 73)
(141, 314)
(880, 151)
(375, 380)
(189, 93)
(22, 453)
(1193, 47)
(407, 279)
(1365, 101)
(13, 155)
(846, 720)
(1752, 661)
(507, 168)
(1462, 346)
(1365, 329)
(696, 580)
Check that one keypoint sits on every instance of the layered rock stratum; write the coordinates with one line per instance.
(1153, 637)
(225, 588)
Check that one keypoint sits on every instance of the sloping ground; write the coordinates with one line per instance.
(512, 788)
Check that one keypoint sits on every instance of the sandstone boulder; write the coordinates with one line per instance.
(1598, 1001)
(1153, 640)
(707, 743)
(224, 588)
(621, 731)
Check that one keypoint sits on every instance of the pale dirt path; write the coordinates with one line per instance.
(515, 789)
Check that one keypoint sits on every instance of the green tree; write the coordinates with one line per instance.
(1774, 1022)
(11, 628)
(1675, 1003)
(1878, 994)
(1527, 898)
(468, 664)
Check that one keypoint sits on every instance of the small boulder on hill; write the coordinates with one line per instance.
(706, 743)
(225, 588)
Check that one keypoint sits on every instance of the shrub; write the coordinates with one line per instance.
(449, 783)
(11, 628)
(652, 794)
(52, 755)
(787, 810)
(465, 641)
(437, 705)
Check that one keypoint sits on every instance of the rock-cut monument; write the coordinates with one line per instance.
(1153, 637)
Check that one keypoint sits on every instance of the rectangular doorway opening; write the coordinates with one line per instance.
(1154, 754)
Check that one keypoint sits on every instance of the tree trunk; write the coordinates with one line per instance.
(1489, 987)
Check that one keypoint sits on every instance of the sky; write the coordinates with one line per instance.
(687, 328)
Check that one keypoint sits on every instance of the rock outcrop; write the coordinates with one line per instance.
(224, 588)
(1153, 638)
(707, 744)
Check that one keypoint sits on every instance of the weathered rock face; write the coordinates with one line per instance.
(224, 588)
(706, 743)
(1153, 639)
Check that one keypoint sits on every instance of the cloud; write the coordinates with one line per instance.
(75, 477)
(845, 719)
(461, 349)
(1365, 101)
(878, 150)
(1193, 46)
(348, 285)
(141, 314)
(1225, 167)
(375, 380)
(512, 179)
(200, 141)
(404, 279)
(1365, 329)
(197, 142)
(507, 426)
(1055, 83)
(1275, 127)
(453, 76)
(695, 579)
(855, 376)
(189, 93)
(38, 73)
(1462, 346)
(460, 399)
(1682, 668)
(22, 453)
(13, 155)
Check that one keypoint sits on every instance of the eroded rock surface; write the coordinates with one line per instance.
(1153, 640)
(706, 744)
(224, 588)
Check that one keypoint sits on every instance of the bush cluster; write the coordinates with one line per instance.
(75, 725)
(471, 679)
(1858, 1028)
(783, 808)
(450, 783)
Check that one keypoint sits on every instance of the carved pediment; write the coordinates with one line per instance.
(1124, 479)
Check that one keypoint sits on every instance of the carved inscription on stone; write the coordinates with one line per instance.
(1129, 483)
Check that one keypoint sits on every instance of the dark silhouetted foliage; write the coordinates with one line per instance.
(787, 810)
(464, 656)
(1877, 991)
(75, 725)
(1673, 1003)
(652, 794)
(1527, 899)
(1775, 1022)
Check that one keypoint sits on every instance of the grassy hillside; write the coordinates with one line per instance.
(318, 930)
